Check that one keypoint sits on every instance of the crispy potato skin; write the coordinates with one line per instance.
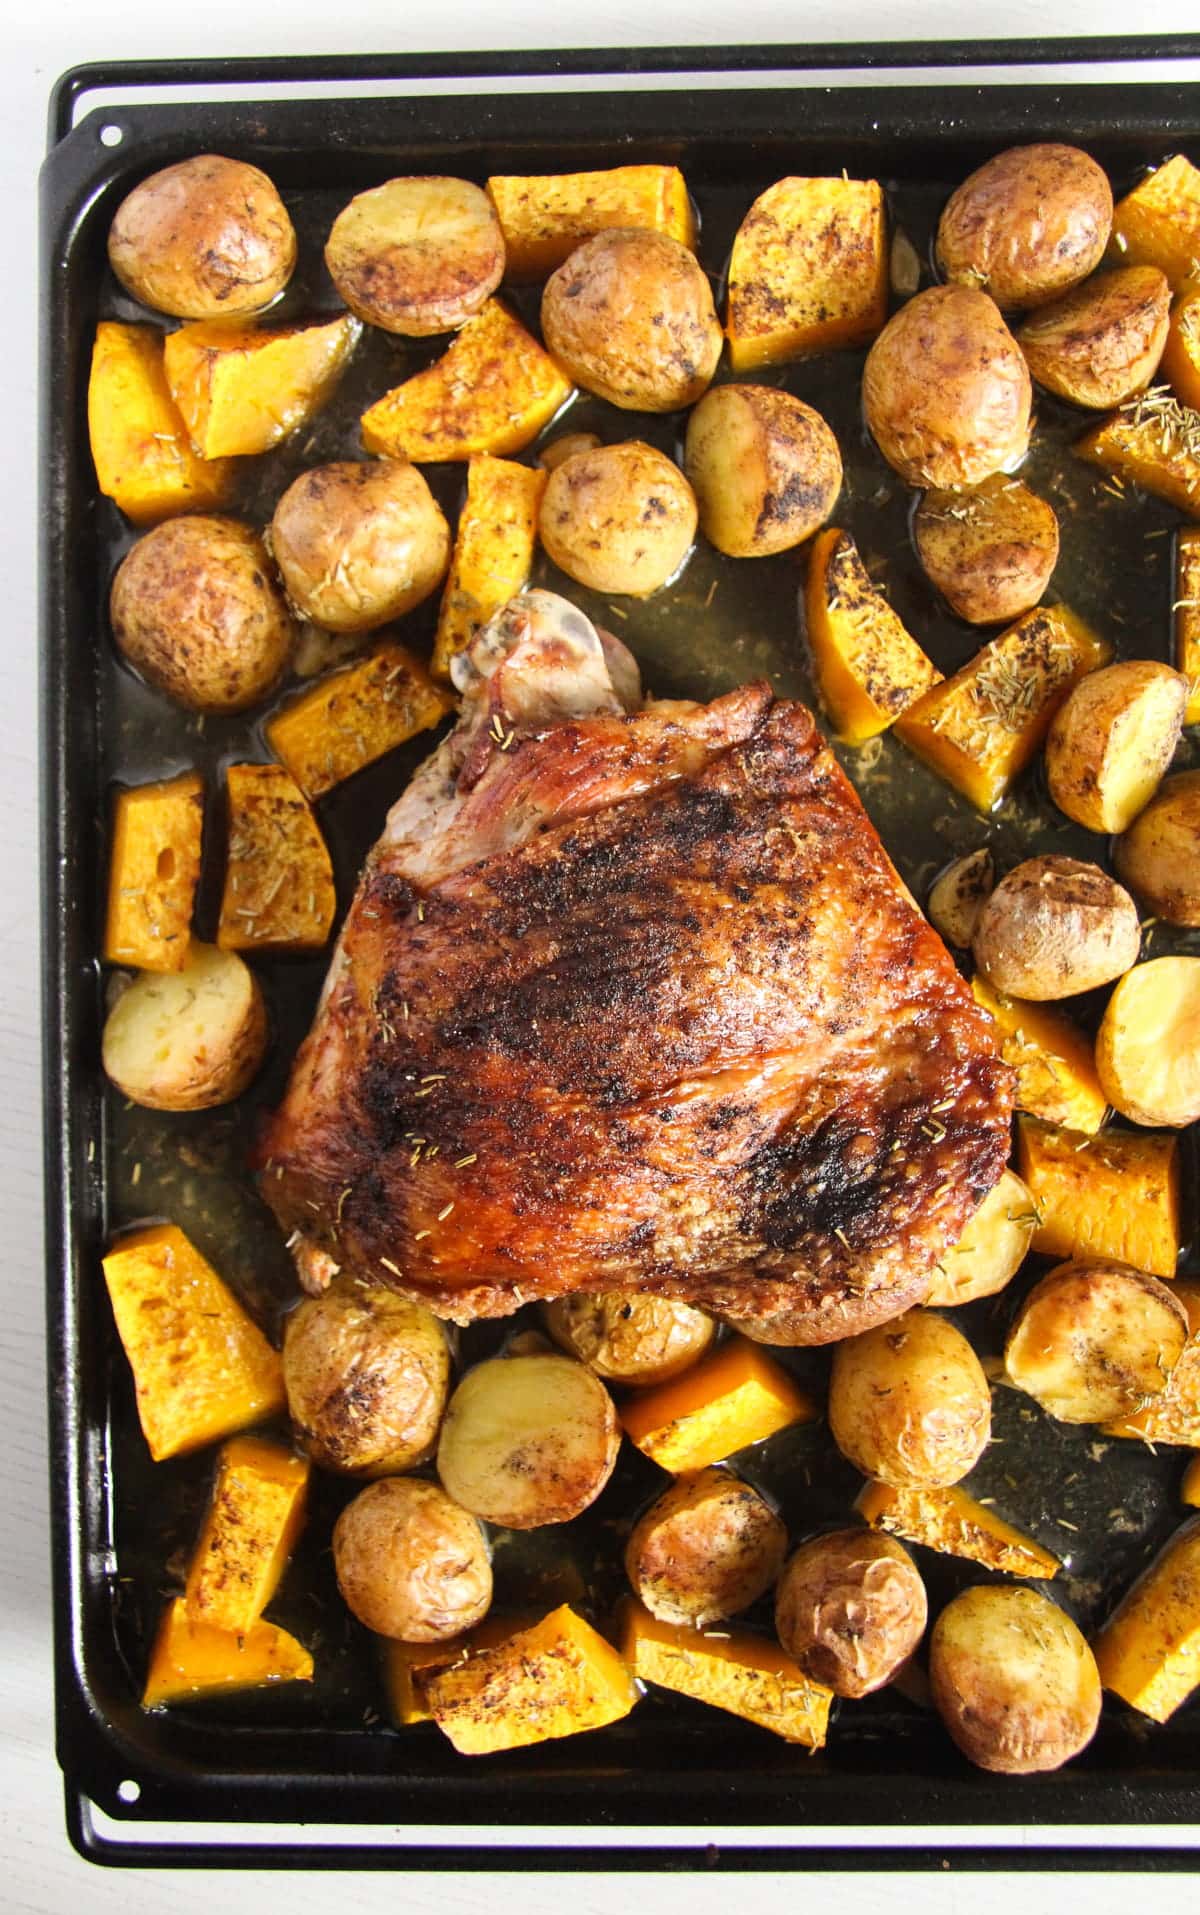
(417, 255)
(959, 894)
(1054, 927)
(1027, 225)
(367, 1376)
(196, 611)
(627, 1337)
(190, 1039)
(765, 468)
(410, 1563)
(1158, 857)
(1094, 1339)
(620, 518)
(359, 544)
(707, 1549)
(946, 390)
(1102, 342)
(990, 551)
(630, 316)
(1148, 1044)
(909, 1402)
(1112, 740)
(851, 1608)
(206, 239)
(1013, 1680)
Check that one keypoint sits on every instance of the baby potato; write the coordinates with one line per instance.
(618, 518)
(1027, 225)
(1013, 1680)
(629, 315)
(959, 895)
(417, 255)
(765, 469)
(626, 1336)
(410, 1563)
(707, 1549)
(559, 449)
(528, 1440)
(367, 1375)
(1101, 343)
(209, 238)
(189, 1039)
(1094, 1339)
(1054, 927)
(909, 1403)
(1148, 1044)
(946, 390)
(991, 1249)
(1158, 856)
(359, 544)
(851, 1608)
(990, 551)
(1112, 740)
(196, 611)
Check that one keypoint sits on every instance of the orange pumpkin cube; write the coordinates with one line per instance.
(153, 874)
(737, 1396)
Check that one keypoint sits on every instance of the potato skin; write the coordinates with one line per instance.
(417, 255)
(410, 1563)
(619, 518)
(626, 1336)
(367, 1375)
(851, 1608)
(1027, 225)
(946, 390)
(359, 544)
(990, 551)
(1112, 739)
(959, 894)
(1102, 342)
(224, 1059)
(196, 611)
(765, 469)
(1054, 927)
(909, 1403)
(707, 1549)
(205, 239)
(1159, 856)
(1148, 1044)
(1094, 1339)
(1013, 1680)
(630, 317)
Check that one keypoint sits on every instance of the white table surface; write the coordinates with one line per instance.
(38, 1870)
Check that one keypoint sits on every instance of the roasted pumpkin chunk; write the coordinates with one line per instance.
(241, 388)
(192, 1658)
(1189, 1489)
(493, 551)
(544, 217)
(407, 1666)
(1112, 1195)
(1158, 224)
(869, 668)
(350, 718)
(153, 874)
(1173, 1416)
(1152, 441)
(253, 1520)
(808, 271)
(953, 1522)
(556, 1679)
(144, 459)
(732, 1670)
(492, 390)
(735, 1397)
(1181, 354)
(279, 892)
(1054, 1061)
(1148, 1652)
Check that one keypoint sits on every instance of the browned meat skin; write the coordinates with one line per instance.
(697, 1040)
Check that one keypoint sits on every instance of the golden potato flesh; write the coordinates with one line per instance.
(205, 239)
(1013, 1680)
(629, 1337)
(1054, 927)
(990, 551)
(196, 611)
(1094, 1339)
(1158, 857)
(367, 1375)
(946, 390)
(188, 1039)
(707, 1549)
(359, 544)
(410, 1563)
(851, 1608)
(1148, 1044)
(1112, 740)
(991, 1249)
(528, 1440)
(630, 317)
(417, 255)
(1027, 225)
(619, 518)
(1101, 343)
(765, 469)
(909, 1403)
(958, 896)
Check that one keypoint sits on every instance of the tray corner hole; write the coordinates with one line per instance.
(129, 1791)
(111, 134)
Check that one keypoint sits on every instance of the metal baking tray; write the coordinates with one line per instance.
(735, 120)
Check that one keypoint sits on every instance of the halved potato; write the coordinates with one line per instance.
(417, 255)
(989, 551)
(959, 894)
(1029, 223)
(410, 1563)
(765, 469)
(851, 1608)
(909, 1402)
(1054, 927)
(1103, 342)
(553, 455)
(1173, 1416)
(628, 1337)
(1013, 1680)
(707, 1549)
(1158, 857)
(1148, 1044)
(991, 1249)
(528, 1440)
(187, 1039)
(1094, 1339)
(207, 238)
(1112, 740)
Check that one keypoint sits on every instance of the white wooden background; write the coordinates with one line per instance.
(38, 1871)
